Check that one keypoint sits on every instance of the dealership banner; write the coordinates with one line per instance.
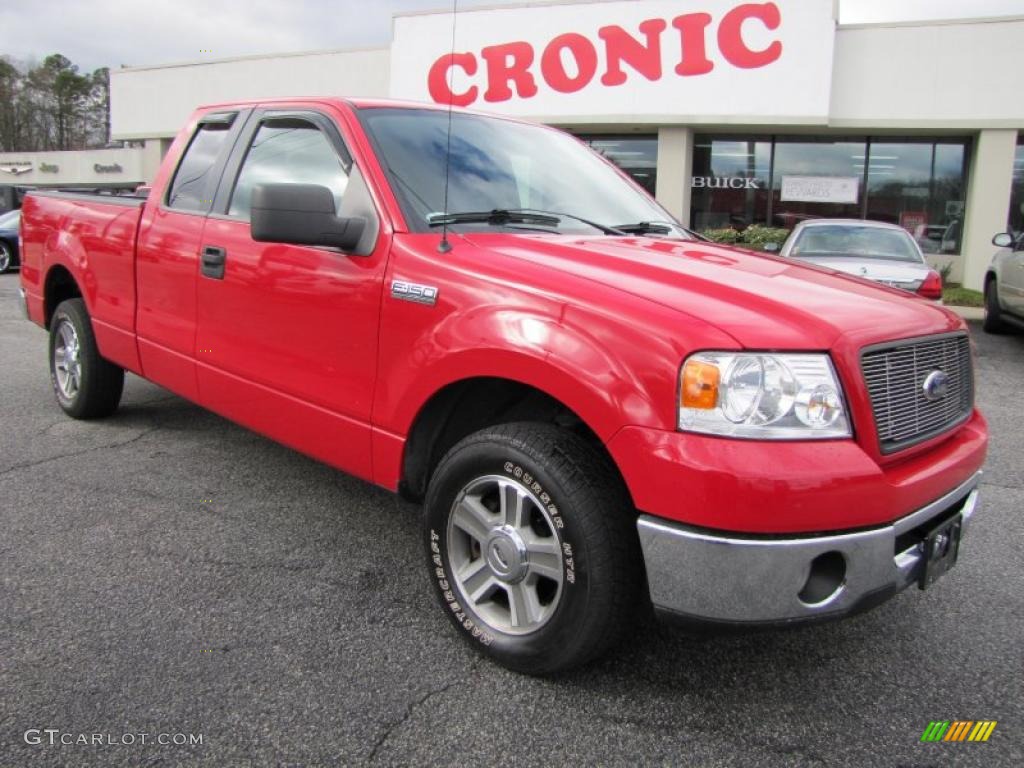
(698, 60)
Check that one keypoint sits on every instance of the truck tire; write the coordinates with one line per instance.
(532, 547)
(86, 385)
(993, 320)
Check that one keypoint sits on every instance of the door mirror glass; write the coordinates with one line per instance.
(772, 247)
(301, 214)
(1003, 240)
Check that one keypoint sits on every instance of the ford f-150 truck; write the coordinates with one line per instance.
(599, 412)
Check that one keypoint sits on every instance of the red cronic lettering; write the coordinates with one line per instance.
(730, 35)
(620, 46)
(509, 63)
(553, 69)
(691, 28)
(437, 80)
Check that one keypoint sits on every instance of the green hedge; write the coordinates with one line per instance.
(755, 236)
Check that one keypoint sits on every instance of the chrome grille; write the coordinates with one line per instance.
(895, 375)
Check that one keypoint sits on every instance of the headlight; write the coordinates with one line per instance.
(762, 396)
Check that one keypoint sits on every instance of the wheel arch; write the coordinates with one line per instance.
(59, 285)
(468, 405)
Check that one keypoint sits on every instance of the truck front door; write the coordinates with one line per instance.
(287, 334)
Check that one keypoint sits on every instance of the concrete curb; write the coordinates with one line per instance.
(968, 313)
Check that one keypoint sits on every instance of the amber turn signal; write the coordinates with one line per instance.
(700, 385)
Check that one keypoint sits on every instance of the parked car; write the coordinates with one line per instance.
(873, 250)
(593, 418)
(1004, 285)
(10, 223)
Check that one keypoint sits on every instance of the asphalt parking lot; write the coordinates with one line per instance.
(166, 572)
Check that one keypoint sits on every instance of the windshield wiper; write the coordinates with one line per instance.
(502, 216)
(600, 227)
(497, 217)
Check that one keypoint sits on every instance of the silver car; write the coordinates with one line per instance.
(873, 250)
(1004, 285)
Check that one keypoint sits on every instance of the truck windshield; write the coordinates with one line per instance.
(502, 166)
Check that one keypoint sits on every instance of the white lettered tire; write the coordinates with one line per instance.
(532, 547)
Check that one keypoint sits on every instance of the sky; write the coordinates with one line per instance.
(118, 33)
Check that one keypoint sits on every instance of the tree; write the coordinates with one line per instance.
(52, 106)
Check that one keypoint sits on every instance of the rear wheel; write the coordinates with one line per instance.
(6, 256)
(86, 385)
(533, 548)
(993, 321)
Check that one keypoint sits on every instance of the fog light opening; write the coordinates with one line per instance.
(826, 578)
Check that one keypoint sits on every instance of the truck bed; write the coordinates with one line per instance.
(87, 234)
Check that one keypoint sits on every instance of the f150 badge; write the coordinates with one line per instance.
(414, 292)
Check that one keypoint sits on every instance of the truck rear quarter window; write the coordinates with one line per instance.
(193, 185)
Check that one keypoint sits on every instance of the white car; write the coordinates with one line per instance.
(874, 250)
(1004, 285)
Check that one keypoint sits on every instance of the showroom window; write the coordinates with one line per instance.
(636, 155)
(731, 182)
(919, 186)
(1016, 218)
(783, 180)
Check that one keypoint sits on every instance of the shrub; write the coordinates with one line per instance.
(945, 271)
(727, 236)
(755, 236)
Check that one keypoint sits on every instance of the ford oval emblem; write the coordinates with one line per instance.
(936, 385)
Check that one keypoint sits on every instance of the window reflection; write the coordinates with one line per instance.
(291, 152)
(731, 182)
(636, 155)
(918, 184)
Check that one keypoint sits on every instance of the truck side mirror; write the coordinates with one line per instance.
(301, 214)
(1003, 240)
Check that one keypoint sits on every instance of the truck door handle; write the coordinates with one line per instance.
(213, 261)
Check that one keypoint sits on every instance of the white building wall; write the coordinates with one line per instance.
(988, 201)
(148, 102)
(940, 75)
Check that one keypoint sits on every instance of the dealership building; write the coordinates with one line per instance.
(731, 113)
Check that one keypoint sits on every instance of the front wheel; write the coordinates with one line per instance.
(533, 548)
(993, 320)
(6, 257)
(86, 385)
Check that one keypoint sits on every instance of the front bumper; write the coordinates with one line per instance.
(709, 577)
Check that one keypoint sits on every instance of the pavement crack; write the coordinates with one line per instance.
(410, 708)
(72, 454)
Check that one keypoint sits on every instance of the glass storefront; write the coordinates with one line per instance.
(636, 155)
(1016, 217)
(779, 181)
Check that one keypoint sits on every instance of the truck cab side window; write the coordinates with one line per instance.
(193, 185)
(288, 151)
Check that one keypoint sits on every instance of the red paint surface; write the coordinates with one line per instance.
(306, 345)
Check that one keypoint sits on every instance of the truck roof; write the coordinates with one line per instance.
(357, 103)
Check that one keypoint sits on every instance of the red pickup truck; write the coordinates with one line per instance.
(599, 411)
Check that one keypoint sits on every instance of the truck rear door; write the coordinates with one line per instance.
(167, 253)
(287, 334)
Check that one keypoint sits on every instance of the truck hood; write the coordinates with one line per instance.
(762, 301)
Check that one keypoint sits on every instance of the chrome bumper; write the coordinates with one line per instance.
(734, 579)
